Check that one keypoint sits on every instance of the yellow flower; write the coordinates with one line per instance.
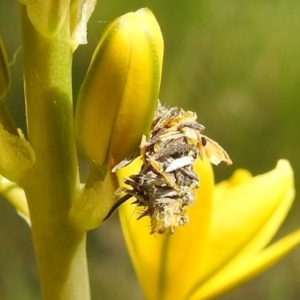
(225, 242)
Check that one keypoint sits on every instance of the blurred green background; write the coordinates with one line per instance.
(236, 63)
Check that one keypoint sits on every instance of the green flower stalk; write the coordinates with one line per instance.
(225, 242)
(41, 174)
(52, 181)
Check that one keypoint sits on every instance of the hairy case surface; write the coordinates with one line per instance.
(166, 182)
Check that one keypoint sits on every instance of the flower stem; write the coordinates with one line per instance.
(52, 183)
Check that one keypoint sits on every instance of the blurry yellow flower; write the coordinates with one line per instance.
(225, 242)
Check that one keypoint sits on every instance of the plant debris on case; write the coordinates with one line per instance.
(166, 182)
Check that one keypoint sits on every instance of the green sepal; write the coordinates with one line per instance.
(16, 156)
(92, 204)
(47, 16)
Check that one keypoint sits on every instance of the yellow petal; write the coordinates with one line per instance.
(243, 222)
(165, 266)
(242, 271)
(239, 176)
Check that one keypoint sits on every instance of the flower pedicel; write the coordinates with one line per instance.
(166, 182)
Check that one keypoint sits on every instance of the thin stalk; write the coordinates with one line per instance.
(52, 183)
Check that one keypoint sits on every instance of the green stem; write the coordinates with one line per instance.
(53, 182)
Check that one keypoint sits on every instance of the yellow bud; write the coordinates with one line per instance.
(119, 94)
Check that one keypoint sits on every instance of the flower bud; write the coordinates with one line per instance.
(119, 94)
